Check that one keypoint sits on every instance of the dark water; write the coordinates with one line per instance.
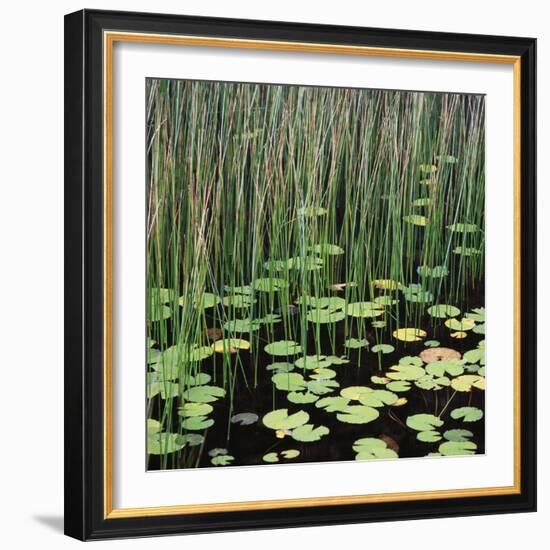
(248, 444)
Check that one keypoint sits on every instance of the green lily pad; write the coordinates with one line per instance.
(200, 379)
(283, 347)
(458, 435)
(323, 374)
(370, 448)
(195, 409)
(432, 343)
(280, 367)
(405, 372)
(466, 251)
(289, 454)
(355, 392)
(382, 348)
(327, 249)
(356, 343)
(289, 381)
(217, 451)
(453, 367)
(203, 394)
(460, 325)
(416, 219)
(428, 168)
(428, 436)
(386, 300)
(163, 443)
(271, 458)
(378, 398)
(466, 382)
(442, 311)
(312, 211)
(423, 422)
(454, 448)
(322, 387)
(332, 404)
(197, 423)
(270, 284)
(463, 227)
(364, 309)
(242, 325)
(309, 432)
(468, 414)
(238, 300)
(358, 414)
(222, 460)
(399, 386)
(302, 397)
(324, 316)
(311, 362)
(280, 419)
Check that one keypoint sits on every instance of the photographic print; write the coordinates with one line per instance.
(315, 274)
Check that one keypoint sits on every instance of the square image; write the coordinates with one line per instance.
(315, 274)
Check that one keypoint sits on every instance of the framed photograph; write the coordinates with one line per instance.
(300, 274)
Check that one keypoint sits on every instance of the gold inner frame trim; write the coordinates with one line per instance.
(109, 39)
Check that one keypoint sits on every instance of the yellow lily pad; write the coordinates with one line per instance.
(409, 334)
(466, 382)
(459, 335)
(460, 326)
(230, 345)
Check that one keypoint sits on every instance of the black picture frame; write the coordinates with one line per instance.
(85, 517)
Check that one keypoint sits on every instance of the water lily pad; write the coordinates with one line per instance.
(238, 300)
(475, 356)
(452, 367)
(311, 362)
(323, 374)
(195, 409)
(386, 284)
(322, 387)
(428, 168)
(358, 414)
(167, 390)
(230, 345)
(312, 211)
(203, 394)
(424, 422)
(241, 325)
(380, 380)
(460, 325)
(159, 312)
(280, 419)
(399, 386)
(302, 397)
(468, 414)
(432, 343)
(281, 367)
(409, 334)
(466, 382)
(200, 379)
(454, 448)
(197, 423)
(383, 348)
(364, 309)
(222, 460)
(323, 316)
(283, 347)
(163, 443)
(428, 436)
(432, 383)
(436, 272)
(217, 451)
(378, 398)
(190, 440)
(327, 249)
(355, 392)
(356, 343)
(405, 372)
(370, 448)
(416, 219)
(466, 251)
(442, 311)
(332, 404)
(432, 355)
(459, 335)
(309, 432)
(458, 435)
(463, 227)
(289, 454)
(244, 419)
(270, 284)
(289, 381)
(477, 314)
(271, 457)
(378, 324)
(386, 300)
